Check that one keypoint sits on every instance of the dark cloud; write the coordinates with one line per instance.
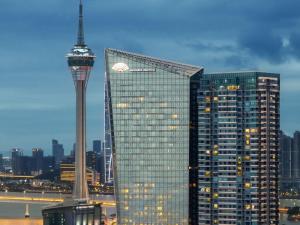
(294, 44)
(265, 45)
(219, 35)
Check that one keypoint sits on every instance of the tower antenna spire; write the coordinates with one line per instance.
(80, 38)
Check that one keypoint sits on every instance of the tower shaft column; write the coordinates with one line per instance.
(80, 186)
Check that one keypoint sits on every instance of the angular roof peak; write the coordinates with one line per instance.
(186, 69)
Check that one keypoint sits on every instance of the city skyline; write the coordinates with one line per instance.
(36, 108)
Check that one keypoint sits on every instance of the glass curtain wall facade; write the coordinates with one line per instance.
(238, 148)
(107, 143)
(149, 102)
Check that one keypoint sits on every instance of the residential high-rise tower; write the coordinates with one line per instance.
(239, 148)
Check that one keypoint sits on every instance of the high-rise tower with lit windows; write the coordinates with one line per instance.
(80, 61)
(152, 111)
(239, 148)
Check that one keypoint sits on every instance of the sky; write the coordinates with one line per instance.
(37, 96)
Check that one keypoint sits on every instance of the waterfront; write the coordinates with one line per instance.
(13, 213)
(21, 221)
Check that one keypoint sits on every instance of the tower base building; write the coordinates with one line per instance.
(72, 214)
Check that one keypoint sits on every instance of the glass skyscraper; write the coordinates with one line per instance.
(153, 120)
(107, 143)
(238, 148)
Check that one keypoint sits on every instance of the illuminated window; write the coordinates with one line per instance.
(141, 99)
(253, 130)
(233, 87)
(247, 157)
(207, 190)
(174, 116)
(215, 152)
(207, 99)
(159, 208)
(163, 104)
(216, 206)
(172, 127)
(207, 110)
(247, 206)
(207, 173)
(216, 99)
(247, 185)
(125, 190)
(122, 105)
(216, 195)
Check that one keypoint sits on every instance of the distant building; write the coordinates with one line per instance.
(16, 154)
(97, 146)
(286, 150)
(296, 155)
(67, 174)
(26, 166)
(72, 153)
(290, 161)
(7, 164)
(48, 164)
(38, 159)
(100, 166)
(57, 152)
(91, 159)
(1, 163)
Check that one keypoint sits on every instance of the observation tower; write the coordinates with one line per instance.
(78, 210)
(80, 61)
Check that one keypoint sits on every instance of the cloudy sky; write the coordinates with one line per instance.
(37, 99)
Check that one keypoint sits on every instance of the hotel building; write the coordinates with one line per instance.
(153, 118)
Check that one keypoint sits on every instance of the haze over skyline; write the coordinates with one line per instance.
(36, 89)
